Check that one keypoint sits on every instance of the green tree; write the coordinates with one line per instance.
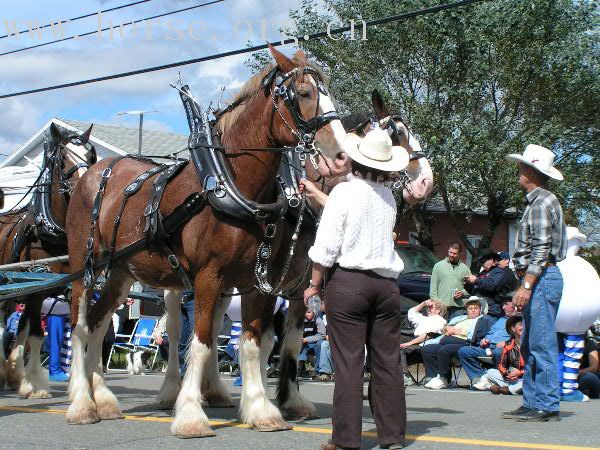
(476, 83)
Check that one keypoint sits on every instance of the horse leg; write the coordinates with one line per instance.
(255, 408)
(107, 405)
(82, 409)
(16, 359)
(292, 403)
(172, 381)
(213, 390)
(35, 379)
(190, 419)
(3, 362)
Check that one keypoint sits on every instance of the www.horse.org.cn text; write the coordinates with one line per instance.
(174, 30)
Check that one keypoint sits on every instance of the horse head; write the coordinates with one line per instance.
(418, 176)
(72, 154)
(306, 112)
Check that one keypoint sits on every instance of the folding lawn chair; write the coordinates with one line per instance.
(140, 339)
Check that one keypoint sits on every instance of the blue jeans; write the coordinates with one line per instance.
(468, 358)
(56, 329)
(539, 344)
(187, 330)
(324, 362)
(314, 347)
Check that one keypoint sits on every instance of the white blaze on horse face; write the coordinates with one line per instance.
(331, 167)
(77, 154)
(419, 172)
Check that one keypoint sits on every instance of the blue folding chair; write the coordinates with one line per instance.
(140, 339)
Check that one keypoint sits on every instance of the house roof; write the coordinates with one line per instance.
(127, 139)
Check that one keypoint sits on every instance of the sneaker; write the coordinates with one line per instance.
(235, 373)
(437, 383)
(57, 377)
(323, 377)
(408, 381)
(575, 396)
(484, 384)
(425, 380)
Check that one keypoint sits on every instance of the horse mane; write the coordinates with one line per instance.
(253, 87)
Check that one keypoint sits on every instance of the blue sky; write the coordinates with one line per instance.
(216, 28)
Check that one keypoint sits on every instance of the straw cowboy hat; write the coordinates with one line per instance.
(540, 158)
(375, 150)
(482, 302)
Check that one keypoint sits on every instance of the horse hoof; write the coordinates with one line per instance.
(194, 430)
(82, 418)
(109, 412)
(40, 394)
(271, 425)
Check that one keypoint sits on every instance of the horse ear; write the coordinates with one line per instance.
(283, 62)
(379, 105)
(55, 134)
(85, 137)
(300, 55)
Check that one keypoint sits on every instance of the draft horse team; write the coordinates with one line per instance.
(183, 239)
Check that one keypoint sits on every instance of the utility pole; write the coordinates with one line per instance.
(141, 114)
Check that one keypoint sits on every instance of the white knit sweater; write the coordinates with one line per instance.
(356, 229)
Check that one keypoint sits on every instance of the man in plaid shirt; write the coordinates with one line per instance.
(541, 242)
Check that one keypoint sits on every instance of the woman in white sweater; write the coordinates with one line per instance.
(354, 244)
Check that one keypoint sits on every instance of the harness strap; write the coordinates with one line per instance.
(88, 278)
(158, 188)
(129, 191)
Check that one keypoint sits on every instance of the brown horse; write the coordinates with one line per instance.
(219, 251)
(37, 232)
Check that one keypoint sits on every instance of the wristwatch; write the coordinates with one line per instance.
(527, 285)
(312, 284)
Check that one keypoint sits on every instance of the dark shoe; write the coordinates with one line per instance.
(516, 413)
(330, 445)
(499, 390)
(538, 415)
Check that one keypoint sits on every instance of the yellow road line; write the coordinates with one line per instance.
(409, 437)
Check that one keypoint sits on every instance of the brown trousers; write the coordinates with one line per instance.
(364, 308)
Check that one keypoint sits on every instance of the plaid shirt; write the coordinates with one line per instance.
(542, 235)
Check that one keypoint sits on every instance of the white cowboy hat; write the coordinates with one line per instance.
(540, 158)
(375, 150)
(573, 233)
(482, 302)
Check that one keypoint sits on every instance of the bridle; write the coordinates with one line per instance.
(305, 130)
(58, 161)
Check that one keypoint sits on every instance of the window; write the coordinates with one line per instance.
(474, 240)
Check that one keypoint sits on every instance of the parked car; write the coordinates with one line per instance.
(415, 280)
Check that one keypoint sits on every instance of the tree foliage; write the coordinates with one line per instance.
(476, 83)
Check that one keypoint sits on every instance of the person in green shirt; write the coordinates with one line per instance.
(447, 281)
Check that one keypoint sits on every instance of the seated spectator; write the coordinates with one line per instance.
(490, 345)
(507, 379)
(494, 279)
(589, 372)
(314, 334)
(426, 326)
(12, 327)
(161, 338)
(461, 331)
(324, 363)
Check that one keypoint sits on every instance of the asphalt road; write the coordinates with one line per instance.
(449, 419)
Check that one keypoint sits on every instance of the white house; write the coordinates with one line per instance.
(21, 168)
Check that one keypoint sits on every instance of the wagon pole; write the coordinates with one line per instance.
(34, 262)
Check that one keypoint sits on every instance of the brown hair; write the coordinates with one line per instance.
(456, 246)
(368, 173)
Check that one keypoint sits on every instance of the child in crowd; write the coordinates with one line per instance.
(507, 379)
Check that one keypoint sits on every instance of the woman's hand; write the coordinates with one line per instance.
(313, 192)
(309, 292)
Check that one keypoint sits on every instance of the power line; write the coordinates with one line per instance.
(254, 48)
(85, 16)
(125, 24)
